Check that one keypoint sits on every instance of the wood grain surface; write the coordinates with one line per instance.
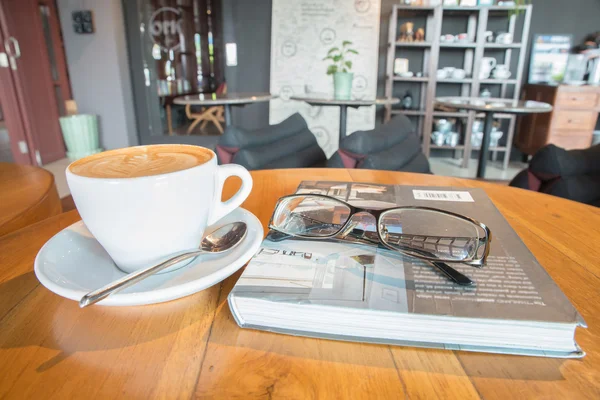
(192, 347)
(28, 195)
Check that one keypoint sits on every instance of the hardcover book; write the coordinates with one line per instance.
(345, 291)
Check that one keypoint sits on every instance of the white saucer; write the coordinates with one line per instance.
(73, 263)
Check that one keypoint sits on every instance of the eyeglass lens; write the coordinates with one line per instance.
(429, 233)
(310, 216)
(414, 231)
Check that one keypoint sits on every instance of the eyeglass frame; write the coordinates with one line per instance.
(377, 213)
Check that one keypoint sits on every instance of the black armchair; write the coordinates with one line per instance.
(394, 146)
(571, 174)
(289, 144)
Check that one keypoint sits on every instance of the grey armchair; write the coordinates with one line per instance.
(289, 144)
(394, 146)
(570, 174)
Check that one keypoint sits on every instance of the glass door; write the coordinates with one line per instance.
(14, 138)
(34, 79)
(175, 49)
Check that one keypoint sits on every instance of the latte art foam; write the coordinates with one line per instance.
(140, 161)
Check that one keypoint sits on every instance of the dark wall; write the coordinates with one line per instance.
(248, 23)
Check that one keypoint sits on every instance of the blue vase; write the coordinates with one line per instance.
(342, 85)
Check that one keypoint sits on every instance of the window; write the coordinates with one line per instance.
(181, 49)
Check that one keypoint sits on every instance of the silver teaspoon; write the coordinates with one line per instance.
(223, 239)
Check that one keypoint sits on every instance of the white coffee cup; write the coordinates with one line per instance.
(459, 73)
(141, 221)
(487, 64)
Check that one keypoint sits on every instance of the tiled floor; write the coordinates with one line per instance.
(58, 168)
(494, 171)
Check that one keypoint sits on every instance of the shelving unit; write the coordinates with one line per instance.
(451, 80)
(502, 46)
(474, 50)
(448, 147)
(411, 78)
(498, 81)
(458, 45)
(413, 44)
(409, 112)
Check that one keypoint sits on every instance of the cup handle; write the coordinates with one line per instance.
(222, 208)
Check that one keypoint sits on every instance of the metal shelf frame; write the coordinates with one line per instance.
(474, 50)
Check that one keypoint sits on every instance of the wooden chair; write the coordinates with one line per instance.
(207, 114)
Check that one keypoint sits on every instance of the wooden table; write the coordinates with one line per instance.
(227, 100)
(193, 348)
(490, 106)
(27, 195)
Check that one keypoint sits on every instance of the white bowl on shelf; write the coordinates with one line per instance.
(476, 139)
(438, 138)
(501, 74)
(459, 74)
(495, 138)
(452, 139)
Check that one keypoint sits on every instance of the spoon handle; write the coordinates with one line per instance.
(132, 278)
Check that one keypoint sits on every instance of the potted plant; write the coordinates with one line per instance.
(340, 69)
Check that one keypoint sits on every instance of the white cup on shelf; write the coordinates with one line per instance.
(487, 65)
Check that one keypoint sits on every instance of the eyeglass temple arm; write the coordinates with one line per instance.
(360, 236)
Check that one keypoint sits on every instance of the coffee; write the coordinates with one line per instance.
(140, 161)
(145, 221)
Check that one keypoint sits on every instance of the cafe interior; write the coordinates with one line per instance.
(240, 78)
(502, 95)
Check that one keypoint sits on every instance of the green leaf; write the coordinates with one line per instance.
(348, 64)
(332, 50)
(332, 69)
(337, 58)
(346, 43)
(328, 58)
(352, 51)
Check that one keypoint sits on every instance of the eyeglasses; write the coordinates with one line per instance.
(422, 232)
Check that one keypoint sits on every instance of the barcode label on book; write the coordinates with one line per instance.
(442, 195)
